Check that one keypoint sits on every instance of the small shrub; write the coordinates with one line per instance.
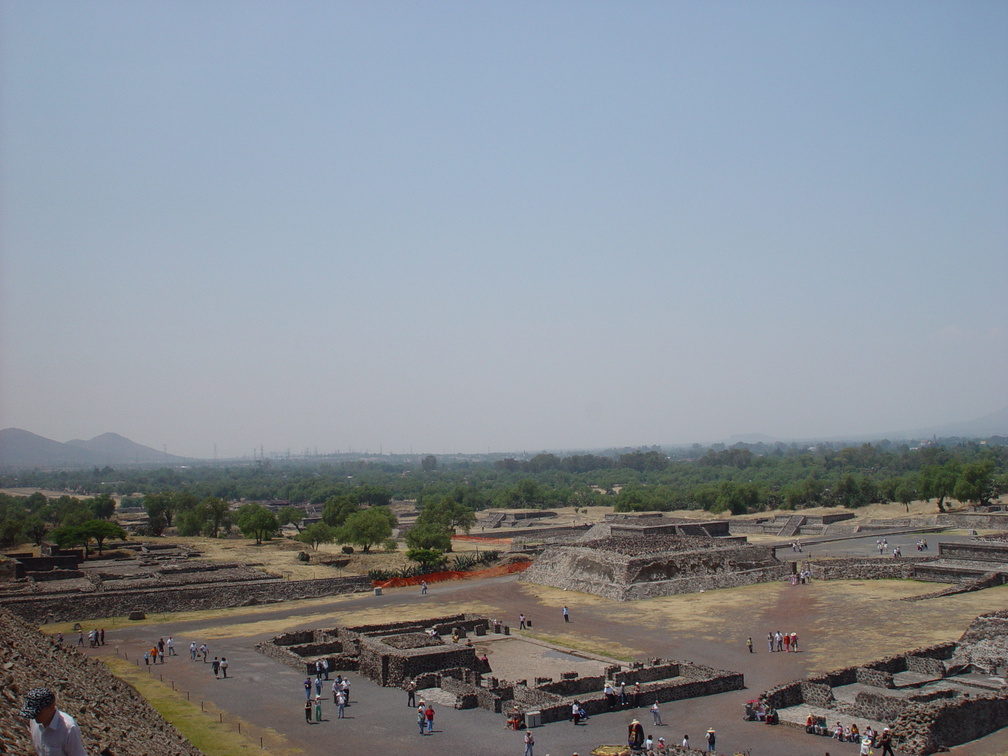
(347, 549)
(391, 545)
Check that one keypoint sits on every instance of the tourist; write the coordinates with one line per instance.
(521, 621)
(59, 638)
(318, 686)
(345, 687)
(635, 735)
(787, 643)
(410, 693)
(192, 651)
(780, 641)
(656, 714)
(866, 744)
(794, 642)
(610, 695)
(325, 667)
(636, 694)
(53, 732)
(80, 637)
(170, 644)
(307, 688)
(160, 648)
(648, 744)
(622, 694)
(101, 639)
(423, 587)
(153, 653)
(224, 666)
(711, 737)
(662, 749)
(838, 732)
(429, 716)
(886, 742)
(749, 645)
(576, 712)
(566, 614)
(422, 720)
(769, 640)
(318, 708)
(529, 742)
(307, 710)
(685, 742)
(215, 666)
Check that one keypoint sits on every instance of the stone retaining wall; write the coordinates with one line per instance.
(880, 568)
(108, 603)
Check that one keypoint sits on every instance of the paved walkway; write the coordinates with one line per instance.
(268, 694)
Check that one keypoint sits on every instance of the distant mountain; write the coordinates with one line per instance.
(994, 424)
(21, 448)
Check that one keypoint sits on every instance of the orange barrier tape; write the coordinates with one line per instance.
(440, 577)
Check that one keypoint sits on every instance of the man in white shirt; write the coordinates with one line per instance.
(53, 732)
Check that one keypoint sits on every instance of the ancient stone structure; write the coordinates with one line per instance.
(388, 654)
(110, 713)
(160, 578)
(393, 653)
(642, 561)
(931, 698)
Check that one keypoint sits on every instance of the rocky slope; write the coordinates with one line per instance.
(110, 713)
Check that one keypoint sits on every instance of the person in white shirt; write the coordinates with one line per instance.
(54, 733)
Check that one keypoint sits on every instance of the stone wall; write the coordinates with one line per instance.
(924, 728)
(976, 551)
(626, 569)
(875, 568)
(83, 606)
(110, 713)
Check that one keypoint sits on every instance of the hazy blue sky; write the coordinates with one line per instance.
(462, 226)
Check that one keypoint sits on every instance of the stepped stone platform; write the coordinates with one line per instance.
(931, 698)
(644, 561)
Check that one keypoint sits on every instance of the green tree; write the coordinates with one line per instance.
(100, 531)
(905, 493)
(429, 536)
(938, 482)
(975, 483)
(102, 506)
(255, 521)
(35, 529)
(429, 463)
(160, 505)
(368, 527)
(448, 513)
(337, 509)
(218, 515)
(290, 516)
(428, 559)
(317, 533)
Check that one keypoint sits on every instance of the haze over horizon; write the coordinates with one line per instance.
(456, 227)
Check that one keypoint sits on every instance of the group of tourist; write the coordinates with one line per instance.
(425, 718)
(867, 740)
(197, 652)
(779, 641)
(340, 694)
(645, 745)
(802, 576)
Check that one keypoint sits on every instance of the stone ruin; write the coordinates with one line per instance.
(656, 557)
(109, 712)
(931, 698)
(388, 654)
(155, 578)
(393, 653)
